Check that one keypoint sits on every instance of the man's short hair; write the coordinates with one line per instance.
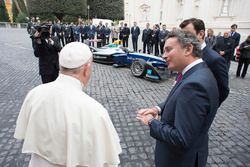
(186, 38)
(234, 26)
(197, 23)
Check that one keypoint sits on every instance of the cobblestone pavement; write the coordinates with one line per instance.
(122, 94)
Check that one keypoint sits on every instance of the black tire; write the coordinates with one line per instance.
(138, 68)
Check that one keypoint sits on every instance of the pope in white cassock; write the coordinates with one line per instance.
(63, 126)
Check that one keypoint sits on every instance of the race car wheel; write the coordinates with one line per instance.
(138, 68)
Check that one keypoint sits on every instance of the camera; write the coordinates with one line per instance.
(44, 31)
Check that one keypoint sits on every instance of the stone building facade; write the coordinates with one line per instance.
(217, 14)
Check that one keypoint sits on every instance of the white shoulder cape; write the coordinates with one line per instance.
(65, 126)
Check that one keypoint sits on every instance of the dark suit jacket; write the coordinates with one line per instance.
(182, 134)
(162, 35)
(146, 35)
(100, 30)
(155, 36)
(245, 52)
(226, 45)
(91, 31)
(48, 56)
(236, 38)
(218, 66)
(121, 32)
(83, 30)
(126, 33)
(135, 32)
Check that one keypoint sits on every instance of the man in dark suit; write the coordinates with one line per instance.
(162, 35)
(59, 31)
(244, 58)
(188, 112)
(31, 29)
(46, 48)
(146, 38)
(214, 61)
(126, 33)
(100, 34)
(135, 32)
(235, 35)
(91, 30)
(225, 47)
(83, 31)
(154, 42)
(107, 32)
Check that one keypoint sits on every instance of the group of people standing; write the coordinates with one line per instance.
(153, 38)
(225, 45)
(82, 32)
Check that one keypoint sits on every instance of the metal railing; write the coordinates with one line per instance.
(13, 25)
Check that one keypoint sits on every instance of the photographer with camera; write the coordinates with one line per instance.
(31, 29)
(46, 48)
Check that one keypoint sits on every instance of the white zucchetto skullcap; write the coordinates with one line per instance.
(74, 55)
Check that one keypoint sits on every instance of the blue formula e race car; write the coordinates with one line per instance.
(141, 65)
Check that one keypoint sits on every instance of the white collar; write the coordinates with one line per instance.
(203, 45)
(191, 65)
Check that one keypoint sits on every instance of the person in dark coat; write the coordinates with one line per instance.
(186, 115)
(162, 35)
(126, 33)
(31, 26)
(46, 48)
(59, 32)
(146, 38)
(107, 32)
(155, 40)
(225, 47)
(121, 31)
(91, 30)
(83, 31)
(31, 29)
(72, 27)
(244, 58)
(135, 32)
(100, 34)
(67, 33)
(235, 35)
(77, 32)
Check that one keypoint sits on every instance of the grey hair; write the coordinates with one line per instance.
(186, 38)
(74, 70)
(70, 70)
